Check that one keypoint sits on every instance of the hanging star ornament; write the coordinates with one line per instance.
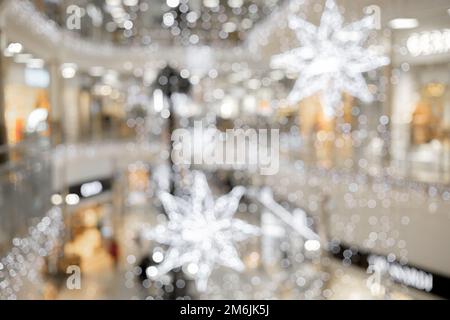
(201, 232)
(331, 60)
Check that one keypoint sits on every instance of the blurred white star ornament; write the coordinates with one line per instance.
(22, 265)
(331, 59)
(201, 232)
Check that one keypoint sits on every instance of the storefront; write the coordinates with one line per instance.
(26, 89)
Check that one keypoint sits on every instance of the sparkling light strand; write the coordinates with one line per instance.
(297, 222)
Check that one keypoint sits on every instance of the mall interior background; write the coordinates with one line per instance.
(84, 148)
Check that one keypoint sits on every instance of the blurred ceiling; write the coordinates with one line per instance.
(217, 22)
(160, 30)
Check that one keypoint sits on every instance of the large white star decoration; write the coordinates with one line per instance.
(201, 232)
(331, 59)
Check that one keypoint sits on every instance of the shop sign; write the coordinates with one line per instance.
(429, 42)
(91, 188)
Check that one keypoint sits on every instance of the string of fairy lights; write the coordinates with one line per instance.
(23, 264)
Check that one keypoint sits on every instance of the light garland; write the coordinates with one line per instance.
(298, 223)
(24, 261)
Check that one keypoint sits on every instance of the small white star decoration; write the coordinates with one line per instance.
(331, 59)
(201, 232)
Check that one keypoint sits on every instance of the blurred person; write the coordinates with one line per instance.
(114, 251)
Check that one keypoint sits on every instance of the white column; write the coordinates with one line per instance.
(70, 114)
